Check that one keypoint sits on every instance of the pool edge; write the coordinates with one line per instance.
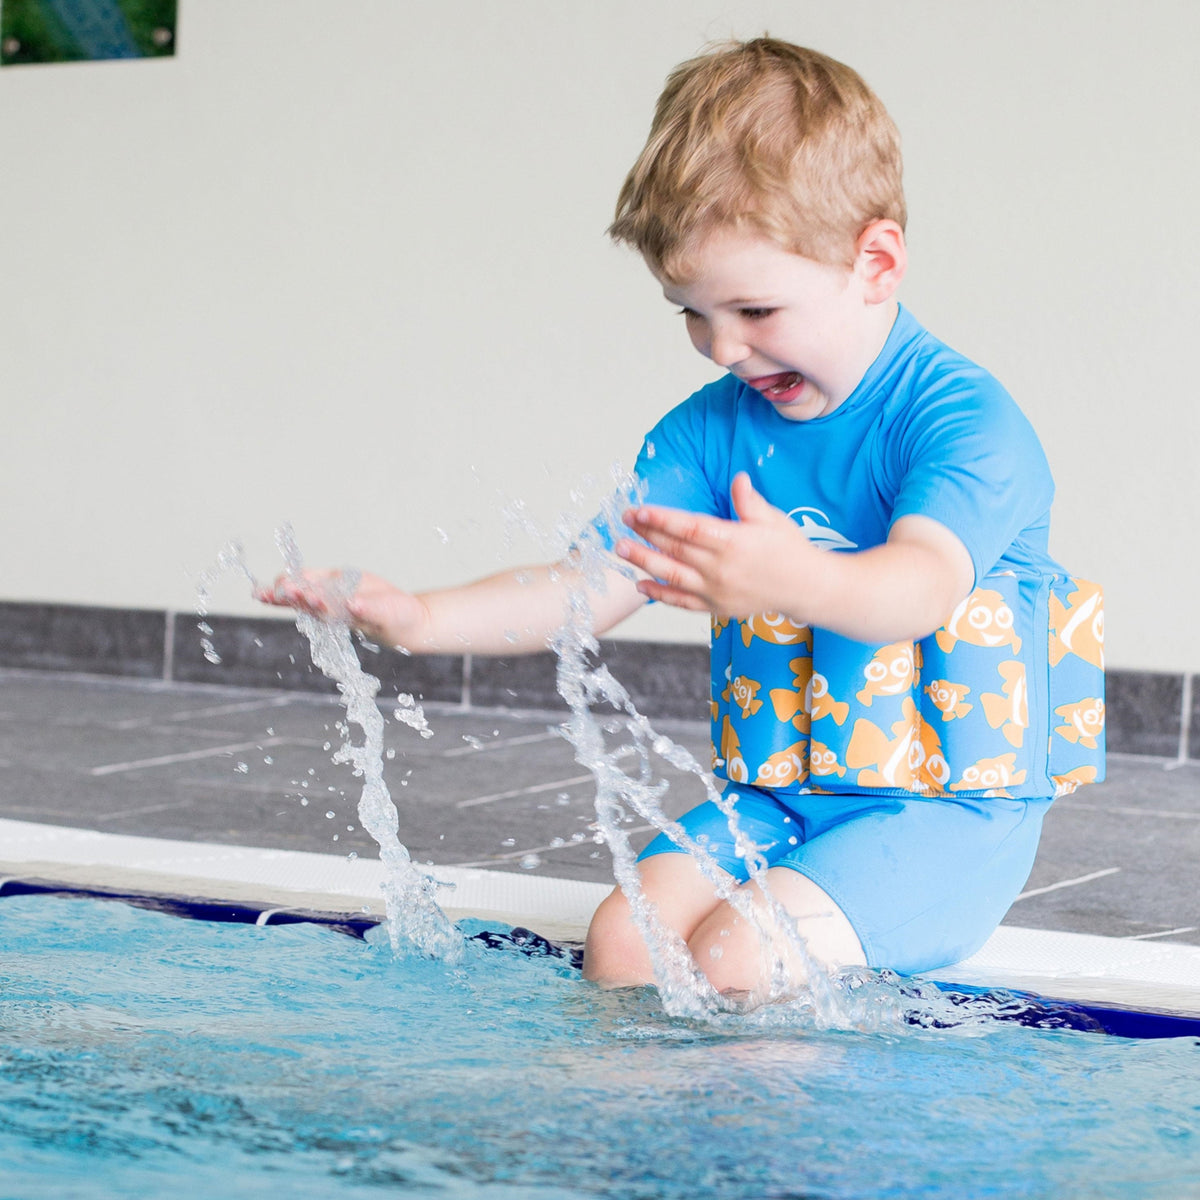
(1068, 967)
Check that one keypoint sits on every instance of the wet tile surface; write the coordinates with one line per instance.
(495, 789)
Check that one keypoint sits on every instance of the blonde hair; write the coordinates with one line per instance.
(768, 137)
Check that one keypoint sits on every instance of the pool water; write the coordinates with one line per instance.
(142, 1055)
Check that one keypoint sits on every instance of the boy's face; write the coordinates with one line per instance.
(801, 333)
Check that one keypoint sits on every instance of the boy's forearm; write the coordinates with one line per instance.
(897, 591)
(518, 611)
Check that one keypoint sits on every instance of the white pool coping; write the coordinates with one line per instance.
(1140, 975)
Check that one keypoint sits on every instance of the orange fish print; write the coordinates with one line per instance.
(948, 698)
(891, 672)
(928, 762)
(784, 766)
(991, 774)
(776, 629)
(742, 691)
(1078, 627)
(982, 619)
(731, 755)
(882, 761)
(823, 761)
(1009, 712)
(790, 703)
(1082, 722)
(1064, 785)
(820, 703)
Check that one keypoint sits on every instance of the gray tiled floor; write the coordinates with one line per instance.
(490, 789)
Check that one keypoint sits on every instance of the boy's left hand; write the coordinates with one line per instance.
(729, 568)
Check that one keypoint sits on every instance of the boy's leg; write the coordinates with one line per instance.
(615, 954)
(729, 949)
(737, 955)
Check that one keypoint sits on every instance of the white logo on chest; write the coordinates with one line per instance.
(815, 526)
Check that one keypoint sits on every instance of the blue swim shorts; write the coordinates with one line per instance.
(924, 881)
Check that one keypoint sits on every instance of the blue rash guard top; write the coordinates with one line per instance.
(1006, 698)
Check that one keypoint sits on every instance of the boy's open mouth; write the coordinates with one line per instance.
(779, 389)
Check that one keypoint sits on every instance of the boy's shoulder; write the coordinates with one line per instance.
(924, 375)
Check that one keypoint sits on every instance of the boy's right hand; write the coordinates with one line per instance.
(379, 610)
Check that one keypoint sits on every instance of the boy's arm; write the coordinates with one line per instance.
(513, 612)
(763, 562)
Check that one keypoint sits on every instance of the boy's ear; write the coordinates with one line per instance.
(880, 259)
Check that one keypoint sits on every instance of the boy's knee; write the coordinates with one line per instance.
(614, 954)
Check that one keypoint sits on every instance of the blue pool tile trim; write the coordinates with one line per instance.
(1036, 1012)
(1150, 713)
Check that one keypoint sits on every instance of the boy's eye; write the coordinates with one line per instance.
(756, 314)
(686, 313)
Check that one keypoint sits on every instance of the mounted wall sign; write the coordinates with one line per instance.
(50, 31)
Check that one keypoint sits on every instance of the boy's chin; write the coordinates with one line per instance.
(806, 408)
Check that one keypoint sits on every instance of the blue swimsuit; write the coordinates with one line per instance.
(907, 780)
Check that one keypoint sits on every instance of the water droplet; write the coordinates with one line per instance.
(352, 856)
(390, 755)
(268, 760)
(530, 861)
(330, 815)
(509, 842)
(242, 768)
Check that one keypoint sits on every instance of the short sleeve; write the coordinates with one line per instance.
(676, 466)
(969, 459)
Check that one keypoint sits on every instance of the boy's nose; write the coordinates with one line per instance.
(726, 348)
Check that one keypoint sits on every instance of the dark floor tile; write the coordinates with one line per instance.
(524, 681)
(98, 641)
(268, 653)
(663, 679)
(1193, 739)
(1143, 712)
(253, 652)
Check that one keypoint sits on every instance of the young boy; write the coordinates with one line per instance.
(902, 677)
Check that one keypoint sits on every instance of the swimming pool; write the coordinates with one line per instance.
(142, 1054)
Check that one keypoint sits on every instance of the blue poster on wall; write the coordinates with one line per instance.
(50, 31)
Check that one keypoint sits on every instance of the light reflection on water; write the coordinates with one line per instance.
(141, 1054)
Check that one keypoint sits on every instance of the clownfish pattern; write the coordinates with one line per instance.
(1005, 699)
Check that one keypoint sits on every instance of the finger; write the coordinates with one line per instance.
(661, 566)
(696, 530)
(679, 549)
(673, 596)
(749, 504)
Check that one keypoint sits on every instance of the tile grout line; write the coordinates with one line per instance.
(1185, 704)
(169, 648)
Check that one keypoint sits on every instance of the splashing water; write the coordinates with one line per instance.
(683, 987)
(414, 918)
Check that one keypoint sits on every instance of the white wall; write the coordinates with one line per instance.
(344, 265)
